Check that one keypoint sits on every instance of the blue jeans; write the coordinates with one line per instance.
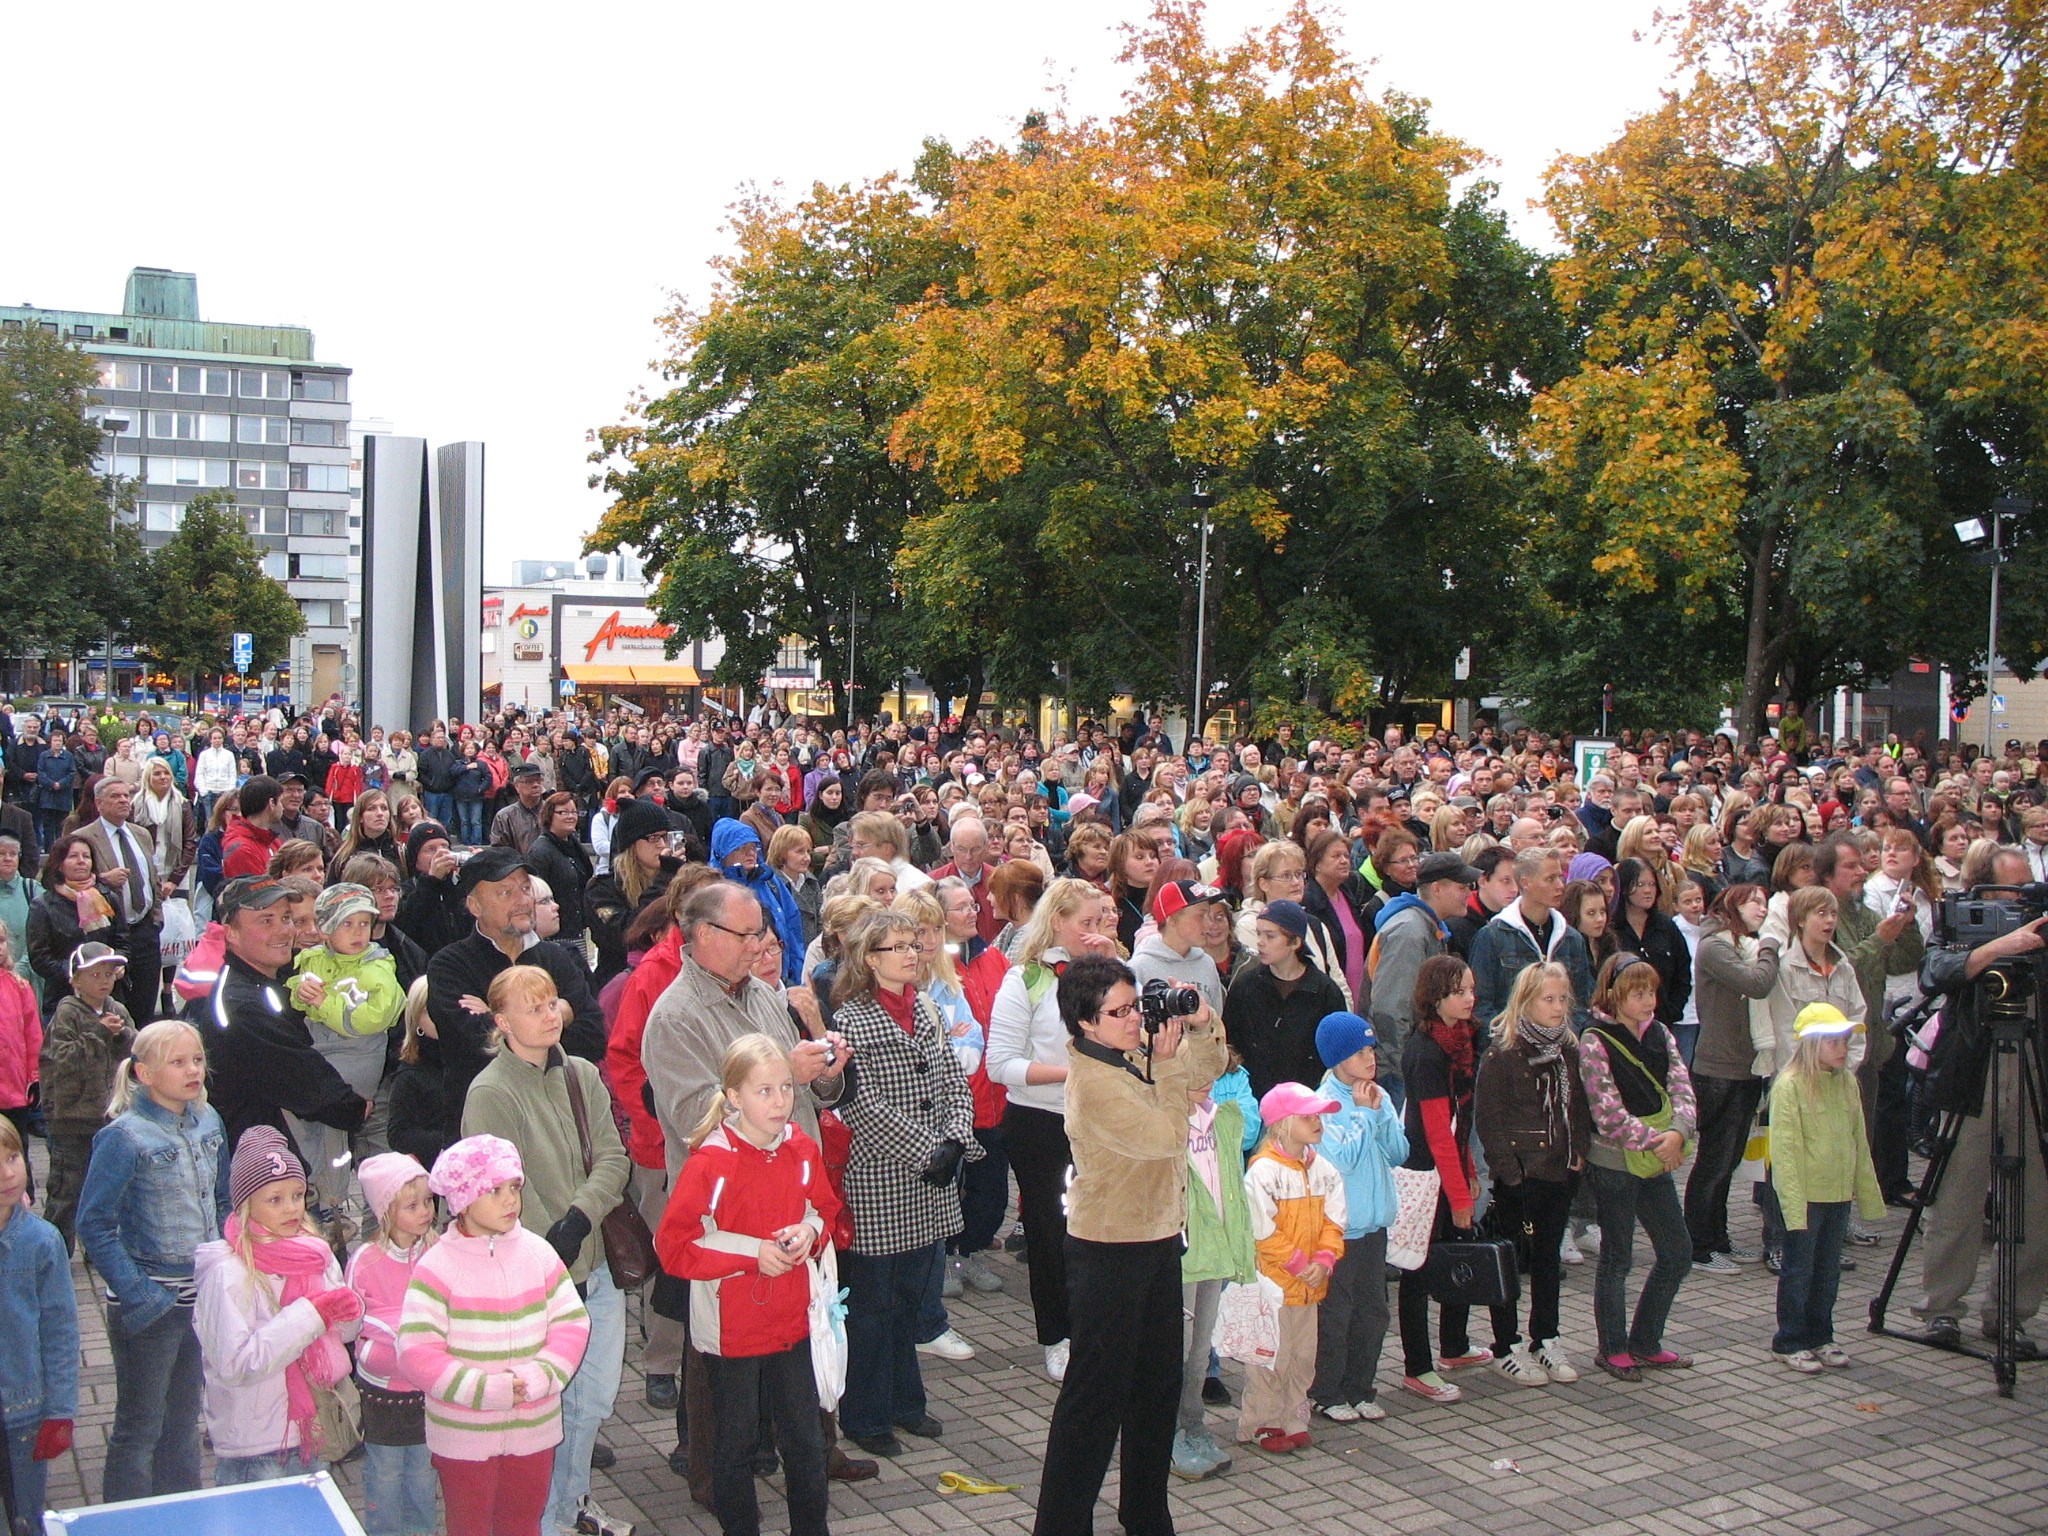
(885, 1294)
(470, 813)
(931, 1313)
(233, 1471)
(440, 807)
(154, 1446)
(399, 1490)
(984, 1193)
(1810, 1277)
(31, 1477)
(1625, 1200)
(588, 1401)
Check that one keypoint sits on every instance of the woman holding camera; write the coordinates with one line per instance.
(1128, 1091)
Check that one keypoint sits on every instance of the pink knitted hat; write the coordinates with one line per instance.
(261, 1157)
(383, 1177)
(474, 1166)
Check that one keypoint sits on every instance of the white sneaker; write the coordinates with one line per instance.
(1557, 1365)
(1716, 1264)
(591, 1520)
(1341, 1413)
(947, 1346)
(1804, 1361)
(1056, 1359)
(1522, 1368)
(1587, 1238)
(1370, 1413)
(1833, 1356)
(1569, 1251)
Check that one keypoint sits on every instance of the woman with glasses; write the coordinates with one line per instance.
(912, 1118)
(1279, 872)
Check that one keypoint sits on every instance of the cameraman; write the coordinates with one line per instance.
(1959, 1073)
(1126, 1209)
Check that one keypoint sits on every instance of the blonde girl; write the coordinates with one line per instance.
(152, 1196)
(1643, 839)
(273, 1317)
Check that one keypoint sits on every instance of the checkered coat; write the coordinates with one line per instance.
(909, 1095)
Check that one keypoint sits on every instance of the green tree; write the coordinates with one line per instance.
(206, 584)
(67, 568)
(759, 488)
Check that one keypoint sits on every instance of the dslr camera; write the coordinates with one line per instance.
(1162, 1000)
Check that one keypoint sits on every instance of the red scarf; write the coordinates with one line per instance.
(1455, 1040)
(302, 1264)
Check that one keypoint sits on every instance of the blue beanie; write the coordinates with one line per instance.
(1343, 1035)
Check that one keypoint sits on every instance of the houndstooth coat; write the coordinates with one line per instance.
(909, 1095)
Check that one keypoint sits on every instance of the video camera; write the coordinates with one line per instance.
(1986, 912)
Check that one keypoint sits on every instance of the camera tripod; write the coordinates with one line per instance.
(2009, 1092)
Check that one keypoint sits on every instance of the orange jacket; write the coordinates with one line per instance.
(1297, 1214)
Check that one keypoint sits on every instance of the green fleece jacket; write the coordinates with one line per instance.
(1220, 1243)
(1818, 1152)
(363, 994)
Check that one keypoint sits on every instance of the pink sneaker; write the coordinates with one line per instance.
(1478, 1356)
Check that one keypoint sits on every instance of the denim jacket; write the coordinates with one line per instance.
(38, 1324)
(156, 1190)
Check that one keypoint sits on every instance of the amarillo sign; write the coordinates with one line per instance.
(612, 630)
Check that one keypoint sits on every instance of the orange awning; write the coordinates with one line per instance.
(644, 675)
(600, 677)
(673, 674)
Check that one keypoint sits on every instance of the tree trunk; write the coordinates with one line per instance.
(977, 673)
(1756, 684)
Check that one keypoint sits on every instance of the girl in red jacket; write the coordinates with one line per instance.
(751, 1208)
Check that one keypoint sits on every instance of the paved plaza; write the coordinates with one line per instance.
(1908, 1441)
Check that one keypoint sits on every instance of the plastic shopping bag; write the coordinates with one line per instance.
(181, 930)
(1408, 1237)
(828, 1328)
(1248, 1323)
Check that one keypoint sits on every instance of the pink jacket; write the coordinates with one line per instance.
(480, 1314)
(380, 1275)
(21, 1040)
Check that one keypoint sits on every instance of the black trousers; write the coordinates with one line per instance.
(1890, 1129)
(1543, 1206)
(1041, 1159)
(1454, 1322)
(741, 1389)
(142, 988)
(1727, 1108)
(1123, 1380)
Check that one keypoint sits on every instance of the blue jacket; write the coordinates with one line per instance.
(56, 773)
(1235, 1087)
(1507, 946)
(38, 1324)
(1366, 1146)
(156, 1190)
(777, 900)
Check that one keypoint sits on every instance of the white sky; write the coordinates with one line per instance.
(481, 209)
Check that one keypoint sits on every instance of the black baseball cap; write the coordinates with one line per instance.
(1445, 866)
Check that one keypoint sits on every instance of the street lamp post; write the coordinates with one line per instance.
(1202, 501)
(1988, 531)
(113, 426)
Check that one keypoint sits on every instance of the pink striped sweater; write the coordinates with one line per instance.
(480, 1314)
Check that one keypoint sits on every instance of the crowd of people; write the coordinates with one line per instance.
(376, 1069)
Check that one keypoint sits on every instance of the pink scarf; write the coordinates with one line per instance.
(302, 1264)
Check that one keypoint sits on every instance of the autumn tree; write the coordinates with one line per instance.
(1252, 296)
(206, 583)
(67, 566)
(759, 487)
(1763, 439)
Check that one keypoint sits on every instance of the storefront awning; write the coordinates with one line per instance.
(600, 677)
(655, 675)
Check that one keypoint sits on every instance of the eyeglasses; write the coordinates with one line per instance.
(897, 949)
(744, 935)
(1127, 1011)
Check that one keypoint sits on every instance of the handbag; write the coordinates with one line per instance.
(828, 1328)
(338, 1420)
(628, 1245)
(1408, 1235)
(392, 1418)
(1476, 1273)
(1641, 1161)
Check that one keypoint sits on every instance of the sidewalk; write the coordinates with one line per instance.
(1908, 1442)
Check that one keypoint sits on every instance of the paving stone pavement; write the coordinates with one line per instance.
(1908, 1442)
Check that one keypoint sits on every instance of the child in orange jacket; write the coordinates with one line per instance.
(1297, 1211)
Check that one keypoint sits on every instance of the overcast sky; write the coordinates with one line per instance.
(481, 209)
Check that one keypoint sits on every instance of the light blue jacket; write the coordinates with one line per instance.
(38, 1324)
(1235, 1087)
(156, 1190)
(1366, 1145)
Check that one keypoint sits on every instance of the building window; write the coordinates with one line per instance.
(211, 472)
(266, 384)
(257, 475)
(118, 374)
(314, 523)
(126, 423)
(320, 567)
(319, 612)
(319, 477)
(162, 516)
(320, 434)
(180, 379)
(219, 381)
(123, 466)
(276, 563)
(318, 386)
(791, 657)
(190, 426)
(262, 429)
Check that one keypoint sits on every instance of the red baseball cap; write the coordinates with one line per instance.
(1178, 895)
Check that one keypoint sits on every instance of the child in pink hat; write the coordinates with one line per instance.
(1297, 1210)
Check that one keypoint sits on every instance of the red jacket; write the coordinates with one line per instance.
(987, 921)
(980, 979)
(245, 848)
(21, 1040)
(647, 981)
(732, 1194)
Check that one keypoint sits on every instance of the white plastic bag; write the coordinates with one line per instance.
(1408, 1237)
(181, 930)
(1248, 1323)
(828, 1328)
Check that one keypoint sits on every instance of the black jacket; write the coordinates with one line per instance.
(567, 869)
(1319, 904)
(260, 1060)
(466, 969)
(437, 768)
(609, 914)
(1665, 948)
(575, 774)
(1276, 1036)
(432, 914)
